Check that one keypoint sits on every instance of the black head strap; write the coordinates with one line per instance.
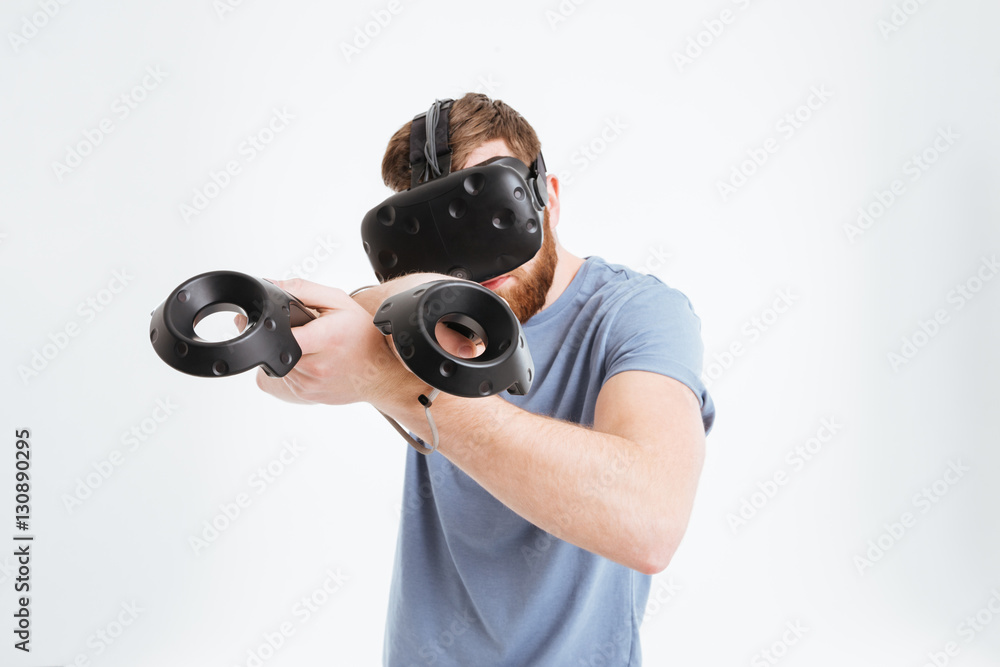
(430, 156)
(540, 181)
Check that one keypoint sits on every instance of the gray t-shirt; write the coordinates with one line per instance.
(474, 583)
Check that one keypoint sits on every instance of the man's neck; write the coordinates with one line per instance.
(567, 264)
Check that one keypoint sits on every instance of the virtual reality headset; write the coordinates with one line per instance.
(476, 223)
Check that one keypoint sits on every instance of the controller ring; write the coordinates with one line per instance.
(267, 340)
(411, 317)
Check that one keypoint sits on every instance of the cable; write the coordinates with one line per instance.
(361, 289)
(426, 401)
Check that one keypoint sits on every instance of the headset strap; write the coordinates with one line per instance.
(540, 182)
(540, 166)
(437, 150)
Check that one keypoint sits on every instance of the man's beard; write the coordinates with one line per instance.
(527, 295)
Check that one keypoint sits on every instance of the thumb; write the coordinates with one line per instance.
(455, 343)
(315, 295)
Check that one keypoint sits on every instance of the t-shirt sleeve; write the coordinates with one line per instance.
(656, 329)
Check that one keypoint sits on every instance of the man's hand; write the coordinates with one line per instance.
(345, 359)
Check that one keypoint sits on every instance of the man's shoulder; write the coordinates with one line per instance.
(621, 288)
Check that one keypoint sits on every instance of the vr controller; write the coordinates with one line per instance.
(266, 341)
(411, 318)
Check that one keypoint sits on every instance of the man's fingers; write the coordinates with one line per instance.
(314, 336)
(315, 295)
(457, 344)
(277, 387)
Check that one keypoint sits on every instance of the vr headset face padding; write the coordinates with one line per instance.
(474, 224)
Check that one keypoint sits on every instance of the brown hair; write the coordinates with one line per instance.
(475, 119)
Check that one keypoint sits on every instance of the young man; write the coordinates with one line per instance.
(530, 536)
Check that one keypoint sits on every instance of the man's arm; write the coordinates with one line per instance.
(623, 489)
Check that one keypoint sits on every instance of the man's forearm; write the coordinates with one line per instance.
(598, 491)
(371, 298)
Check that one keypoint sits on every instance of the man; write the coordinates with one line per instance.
(530, 536)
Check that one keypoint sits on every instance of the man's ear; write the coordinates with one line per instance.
(552, 185)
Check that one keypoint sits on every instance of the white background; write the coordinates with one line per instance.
(651, 188)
